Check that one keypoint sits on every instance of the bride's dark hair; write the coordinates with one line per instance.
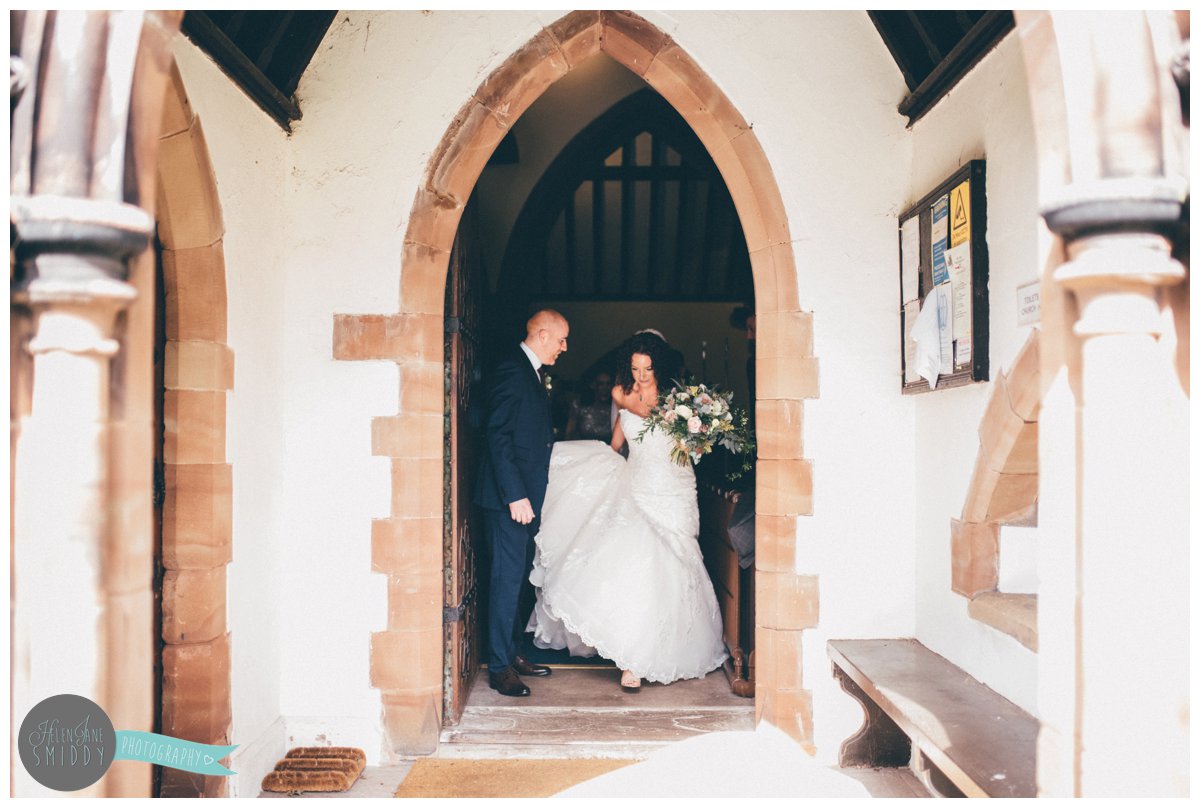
(665, 360)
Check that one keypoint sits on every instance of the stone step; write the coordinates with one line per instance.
(551, 725)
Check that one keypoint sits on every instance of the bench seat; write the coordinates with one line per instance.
(978, 740)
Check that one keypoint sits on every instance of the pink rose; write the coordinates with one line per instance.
(694, 424)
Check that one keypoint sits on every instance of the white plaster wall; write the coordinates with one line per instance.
(316, 229)
(986, 116)
(247, 153)
(821, 91)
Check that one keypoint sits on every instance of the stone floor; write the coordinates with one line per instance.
(693, 738)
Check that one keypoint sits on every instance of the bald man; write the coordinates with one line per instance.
(512, 486)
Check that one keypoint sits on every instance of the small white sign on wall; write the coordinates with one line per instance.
(1029, 303)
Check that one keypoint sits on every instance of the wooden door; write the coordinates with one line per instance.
(462, 598)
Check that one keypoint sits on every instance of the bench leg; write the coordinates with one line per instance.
(880, 742)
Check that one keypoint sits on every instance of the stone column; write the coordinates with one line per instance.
(1113, 602)
(74, 231)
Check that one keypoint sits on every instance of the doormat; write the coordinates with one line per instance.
(316, 768)
(438, 777)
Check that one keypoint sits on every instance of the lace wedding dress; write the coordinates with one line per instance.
(617, 563)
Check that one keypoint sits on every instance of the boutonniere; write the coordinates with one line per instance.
(548, 382)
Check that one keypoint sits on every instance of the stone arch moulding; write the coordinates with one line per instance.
(197, 540)
(406, 658)
(1003, 491)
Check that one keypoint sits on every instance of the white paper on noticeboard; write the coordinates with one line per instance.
(959, 259)
(945, 327)
(928, 361)
(911, 311)
(910, 259)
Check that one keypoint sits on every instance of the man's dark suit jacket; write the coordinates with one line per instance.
(519, 437)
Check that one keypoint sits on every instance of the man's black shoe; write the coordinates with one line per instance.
(526, 668)
(507, 683)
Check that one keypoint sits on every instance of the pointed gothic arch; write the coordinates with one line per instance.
(405, 658)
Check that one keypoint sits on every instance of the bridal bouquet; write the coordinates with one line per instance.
(697, 418)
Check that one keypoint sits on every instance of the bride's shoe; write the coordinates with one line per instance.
(630, 683)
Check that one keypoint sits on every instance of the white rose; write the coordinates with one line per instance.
(694, 425)
(683, 411)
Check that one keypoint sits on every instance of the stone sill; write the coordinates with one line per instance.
(1014, 615)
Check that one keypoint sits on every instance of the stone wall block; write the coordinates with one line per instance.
(523, 77)
(790, 711)
(784, 488)
(577, 34)
(412, 721)
(196, 691)
(631, 40)
(672, 74)
(778, 659)
(786, 601)
(423, 279)
(1000, 431)
(189, 210)
(762, 180)
(197, 305)
(464, 151)
(1013, 496)
(784, 333)
(775, 543)
(417, 488)
(775, 283)
(407, 436)
(1024, 379)
(415, 601)
(974, 557)
(193, 605)
(422, 388)
(434, 219)
(709, 99)
(406, 546)
(399, 337)
(788, 377)
(406, 660)
(193, 426)
(197, 516)
(177, 112)
(779, 429)
(198, 366)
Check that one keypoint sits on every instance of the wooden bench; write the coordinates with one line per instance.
(733, 585)
(959, 736)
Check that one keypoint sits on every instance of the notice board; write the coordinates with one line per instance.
(944, 285)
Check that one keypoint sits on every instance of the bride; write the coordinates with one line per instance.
(617, 562)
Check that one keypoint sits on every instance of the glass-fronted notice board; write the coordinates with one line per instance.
(944, 285)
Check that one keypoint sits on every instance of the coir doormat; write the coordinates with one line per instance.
(436, 777)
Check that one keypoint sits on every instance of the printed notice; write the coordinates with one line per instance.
(939, 231)
(1029, 303)
(910, 259)
(959, 260)
(960, 214)
(911, 310)
(945, 327)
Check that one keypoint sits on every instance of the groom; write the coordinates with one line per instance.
(512, 486)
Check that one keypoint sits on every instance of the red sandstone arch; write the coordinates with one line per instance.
(197, 540)
(406, 659)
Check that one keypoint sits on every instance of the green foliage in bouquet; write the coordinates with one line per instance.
(696, 418)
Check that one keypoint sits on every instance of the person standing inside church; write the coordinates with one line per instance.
(511, 488)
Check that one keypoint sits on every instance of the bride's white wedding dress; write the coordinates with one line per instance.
(617, 563)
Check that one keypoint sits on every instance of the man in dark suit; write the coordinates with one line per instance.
(512, 487)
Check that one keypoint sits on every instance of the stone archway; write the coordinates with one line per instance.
(197, 530)
(406, 658)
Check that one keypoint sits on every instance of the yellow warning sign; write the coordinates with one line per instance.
(960, 214)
